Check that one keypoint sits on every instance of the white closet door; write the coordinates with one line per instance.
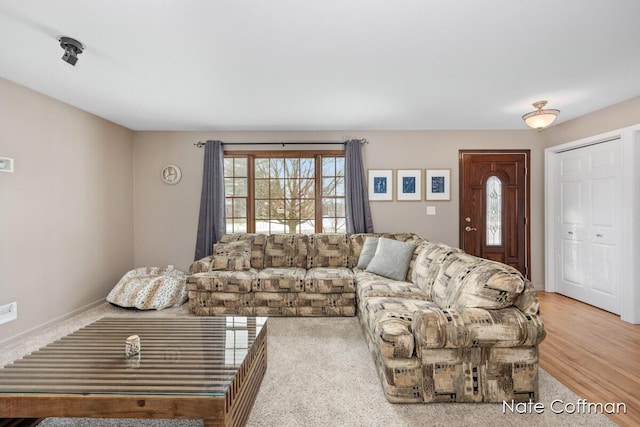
(587, 224)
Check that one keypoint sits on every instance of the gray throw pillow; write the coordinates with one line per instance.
(392, 259)
(368, 251)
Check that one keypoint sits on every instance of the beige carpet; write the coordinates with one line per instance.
(321, 373)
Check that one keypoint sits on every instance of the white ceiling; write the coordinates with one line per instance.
(325, 64)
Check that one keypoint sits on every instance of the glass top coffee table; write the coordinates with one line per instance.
(206, 368)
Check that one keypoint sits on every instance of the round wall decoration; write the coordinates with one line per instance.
(171, 174)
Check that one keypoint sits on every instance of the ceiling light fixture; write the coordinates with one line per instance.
(540, 119)
(72, 48)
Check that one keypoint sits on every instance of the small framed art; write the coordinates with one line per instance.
(409, 184)
(380, 185)
(438, 184)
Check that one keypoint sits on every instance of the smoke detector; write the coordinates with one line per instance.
(72, 48)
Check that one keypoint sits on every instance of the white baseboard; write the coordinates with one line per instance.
(52, 322)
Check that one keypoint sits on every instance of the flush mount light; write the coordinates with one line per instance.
(540, 119)
(72, 48)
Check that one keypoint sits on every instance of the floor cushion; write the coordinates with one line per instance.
(150, 288)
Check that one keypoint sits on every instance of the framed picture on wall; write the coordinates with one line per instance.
(380, 184)
(438, 184)
(409, 184)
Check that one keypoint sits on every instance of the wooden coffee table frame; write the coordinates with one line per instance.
(231, 409)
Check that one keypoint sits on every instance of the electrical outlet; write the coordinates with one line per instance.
(6, 164)
(8, 312)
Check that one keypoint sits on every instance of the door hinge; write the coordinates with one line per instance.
(525, 220)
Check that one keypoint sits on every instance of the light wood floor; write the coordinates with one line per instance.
(593, 353)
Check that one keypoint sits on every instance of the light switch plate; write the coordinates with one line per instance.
(431, 210)
(6, 164)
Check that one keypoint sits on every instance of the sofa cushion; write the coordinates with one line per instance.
(223, 281)
(357, 242)
(409, 238)
(257, 246)
(391, 259)
(404, 237)
(325, 280)
(206, 303)
(430, 258)
(202, 265)
(468, 281)
(368, 251)
(389, 323)
(328, 250)
(231, 256)
(288, 279)
(372, 285)
(275, 303)
(286, 250)
(476, 327)
(322, 304)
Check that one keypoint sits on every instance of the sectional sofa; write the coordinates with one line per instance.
(442, 325)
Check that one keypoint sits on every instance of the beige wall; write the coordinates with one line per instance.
(614, 117)
(86, 202)
(66, 214)
(166, 216)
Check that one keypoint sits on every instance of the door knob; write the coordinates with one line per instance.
(467, 228)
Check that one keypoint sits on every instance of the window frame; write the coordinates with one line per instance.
(251, 156)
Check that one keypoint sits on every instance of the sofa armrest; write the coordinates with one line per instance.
(396, 340)
(476, 327)
(528, 301)
(201, 266)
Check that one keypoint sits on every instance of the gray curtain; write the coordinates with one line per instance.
(212, 222)
(357, 200)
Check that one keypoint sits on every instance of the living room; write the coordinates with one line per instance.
(85, 203)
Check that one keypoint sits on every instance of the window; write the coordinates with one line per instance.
(236, 191)
(333, 204)
(285, 192)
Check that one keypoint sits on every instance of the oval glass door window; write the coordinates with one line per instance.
(494, 211)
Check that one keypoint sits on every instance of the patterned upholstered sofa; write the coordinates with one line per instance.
(456, 328)
(284, 275)
(460, 329)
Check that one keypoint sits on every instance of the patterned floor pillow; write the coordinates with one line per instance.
(150, 288)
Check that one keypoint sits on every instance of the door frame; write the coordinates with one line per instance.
(527, 198)
(630, 239)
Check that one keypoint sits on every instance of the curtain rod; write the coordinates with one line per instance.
(201, 144)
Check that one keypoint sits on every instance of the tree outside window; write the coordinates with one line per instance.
(289, 194)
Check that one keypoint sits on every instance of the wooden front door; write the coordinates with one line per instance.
(494, 206)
